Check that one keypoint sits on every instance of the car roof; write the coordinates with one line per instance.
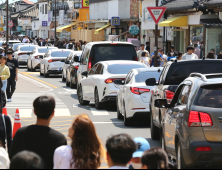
(60, 50)
(193, 61)
(109, 42)
(28, 46)
(14, 41)
(150, 69)
(111, 62)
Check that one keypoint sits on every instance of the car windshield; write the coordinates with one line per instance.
(178, 72)
(123, 68)
(209, 96)
(105, 52)
(44, 50)
(142, 77)
(27, 48)
(60, 53)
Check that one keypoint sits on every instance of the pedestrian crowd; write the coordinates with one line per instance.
(40, 147)
(193, 52)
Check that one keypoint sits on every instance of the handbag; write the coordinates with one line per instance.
(5, 131)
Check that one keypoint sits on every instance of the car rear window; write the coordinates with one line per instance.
(179, 72)
(15, 46)
(105, 52)
(209, 96)
(27, 48)
(142, 77)
(123, 68)
(44, 50)
(11, 43)
(60, 53)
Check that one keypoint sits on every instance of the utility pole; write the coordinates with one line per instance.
(6, 24)
(55, 40)
(156, 43)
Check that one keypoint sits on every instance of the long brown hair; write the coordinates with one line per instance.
(86, 146)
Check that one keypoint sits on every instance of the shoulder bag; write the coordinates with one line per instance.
(3, 117)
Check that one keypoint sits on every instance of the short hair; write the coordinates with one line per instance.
(147, 43)
(195, 45)
(179, 54)
(212, 49)
(143, 54)
(142, 45)
(26, 160)
(4, 57)
(210, 55)
(120, 148)
(190, 48)
(161, 50)
(155, 158)
(172, 47)
(44, 106)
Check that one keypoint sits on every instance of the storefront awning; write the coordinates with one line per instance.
(181, 21)
(102, 28)
(66, 27)
(209, 23)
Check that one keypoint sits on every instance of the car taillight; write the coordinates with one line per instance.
(136, 58)
(199, 149)
(76, 67)
(21, 53)
(138, 91)
(37, 57)
(197, 119)
(108, 81)
(50, 61)
(90, 63)
(169, 94)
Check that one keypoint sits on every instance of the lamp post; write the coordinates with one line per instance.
(55, 24)
(6, 24)
(156, 43)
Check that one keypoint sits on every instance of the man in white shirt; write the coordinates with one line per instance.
(120, 149)
(190, 54)
(25, 40)
(139, 53)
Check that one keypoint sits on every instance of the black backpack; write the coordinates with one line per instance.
(70, 46)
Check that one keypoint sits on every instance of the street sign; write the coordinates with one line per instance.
(156, 13)
(10, 24)
(115, 21)
(134, 30)
(85, 3)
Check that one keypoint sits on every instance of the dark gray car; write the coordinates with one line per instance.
(191, 129)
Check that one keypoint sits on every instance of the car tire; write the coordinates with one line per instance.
(63, 78)
(155, 132)
(162, 140)
(45, 74)
(32, 69)
(28, 66)
(127, 121)
(41, 74)
(72, 86)
(119, 115)
(180, 161)
(80, 96)
(67, 83)
(98, 104)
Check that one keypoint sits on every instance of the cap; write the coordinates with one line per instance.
(142, 145)
(9, 51)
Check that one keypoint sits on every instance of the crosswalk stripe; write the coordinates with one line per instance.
(96, 112)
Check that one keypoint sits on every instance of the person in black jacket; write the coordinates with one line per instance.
(172, 52)
(40, 43)
(5, 123)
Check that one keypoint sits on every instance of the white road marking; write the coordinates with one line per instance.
(96, 112)
(75, 105)
(69, 89)
(62, 112)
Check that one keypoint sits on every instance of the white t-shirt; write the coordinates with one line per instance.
(25, 40)
(4, 159)
(146, 61)
(164, 57)
(186, 56)
(62, 157)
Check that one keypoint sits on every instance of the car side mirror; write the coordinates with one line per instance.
(67, 62)
(63, 60)
(76, 59)
(41, 56)
(151, 82)
(161, 103)
(119, 82)
(85, 73)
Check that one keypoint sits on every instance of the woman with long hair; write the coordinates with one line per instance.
(210, 56)
(85, 151)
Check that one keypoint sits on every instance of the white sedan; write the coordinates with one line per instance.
(133, 98)
(36, 56)
(51, 63)
(22, 53)
(98, 85)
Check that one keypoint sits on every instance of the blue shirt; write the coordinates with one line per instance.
(169, 58)
(158, 59)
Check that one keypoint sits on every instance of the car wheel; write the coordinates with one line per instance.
(63, 78)
(127, 121)
(80, 96)
(67, 83)
(72, 86)
(45, 74)
(119, 115)
(32, 69)
(155, 134)
(98, 104)
(179, 161)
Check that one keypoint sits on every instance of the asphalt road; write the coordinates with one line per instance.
(30, 85)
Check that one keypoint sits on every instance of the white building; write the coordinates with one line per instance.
(35, 28)
(43, 20)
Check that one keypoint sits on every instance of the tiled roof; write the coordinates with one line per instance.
(28, 2)
(213, 2)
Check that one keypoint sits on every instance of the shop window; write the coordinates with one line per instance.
(117, 31)
(213, 40)
(46, 9)
(178, 40)
(196, 35)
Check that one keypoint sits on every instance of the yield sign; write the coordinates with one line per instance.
(156, 13)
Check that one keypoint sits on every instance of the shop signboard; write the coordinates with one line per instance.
(156, 13)
(44, 23)
(115, 21)
(85, 3)
(134, 30)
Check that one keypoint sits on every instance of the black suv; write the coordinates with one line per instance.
(172, 75)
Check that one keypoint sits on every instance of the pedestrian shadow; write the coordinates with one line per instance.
(137, 124)
(74, 96)
(153, 143)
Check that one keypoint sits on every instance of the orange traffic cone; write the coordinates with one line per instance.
(17, 123)
(4, 111)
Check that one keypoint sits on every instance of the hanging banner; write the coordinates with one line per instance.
(85, 3)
